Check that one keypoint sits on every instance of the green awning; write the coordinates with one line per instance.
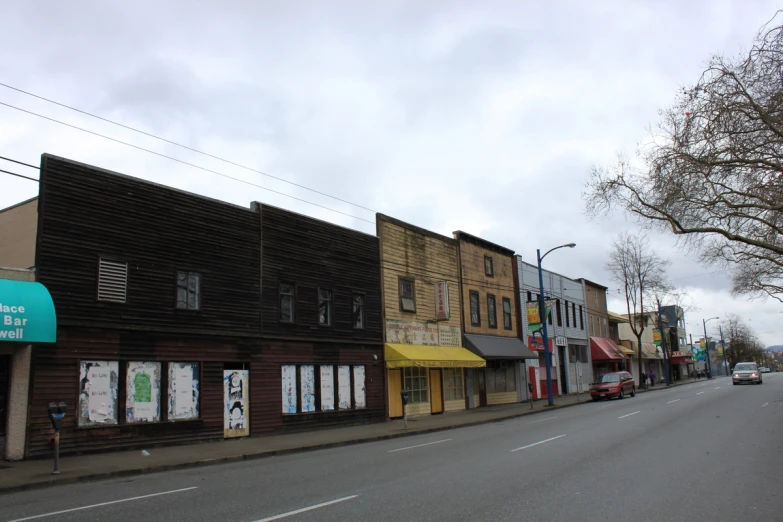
(26, 313)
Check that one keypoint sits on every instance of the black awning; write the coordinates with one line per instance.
(494, 347)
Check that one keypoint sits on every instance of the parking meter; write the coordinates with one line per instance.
(56, 414)
(530, 395)
(404, 395)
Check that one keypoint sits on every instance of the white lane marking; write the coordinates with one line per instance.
(103, 504)
(717, 387)
(634, 413)
(699, 393)
(304, 510)
(765, 404)
(418, 445)
(537, 443)
(675, 400)
(542, 420)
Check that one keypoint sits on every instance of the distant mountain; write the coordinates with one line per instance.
(776, 348)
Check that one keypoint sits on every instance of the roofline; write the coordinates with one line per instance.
(587, 281)
(136, 179)
(19, 204)
(489, 245)
(348, 229)
(519, 258)
(394, 221)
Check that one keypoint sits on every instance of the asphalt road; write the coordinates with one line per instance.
(708, 451)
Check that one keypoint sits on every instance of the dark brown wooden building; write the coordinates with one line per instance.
(184, 319)
(157, 296)
(320, 361)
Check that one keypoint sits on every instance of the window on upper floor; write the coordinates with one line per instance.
(492, 316)
(558, 312)
(407, 295)
(507, 324)
(567, 314)
(358, 311)
(287, 296)
(475, 314)
(489, 268)
(581, 318)
(188, 290)
(325, 310)
(573, 314)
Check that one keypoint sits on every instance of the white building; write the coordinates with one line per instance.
(566, 329)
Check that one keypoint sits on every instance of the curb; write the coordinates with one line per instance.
(61, 481)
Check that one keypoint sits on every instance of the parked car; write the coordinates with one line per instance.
(746, 372)
(764, 369)
(615, 384)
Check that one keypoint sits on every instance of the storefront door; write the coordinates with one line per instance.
(395, 400)
(436, 391)
(481, 381)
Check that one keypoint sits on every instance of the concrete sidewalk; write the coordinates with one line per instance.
(16, 476)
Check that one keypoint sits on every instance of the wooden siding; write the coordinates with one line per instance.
(501, 398)
(266, 385)
(314, 254)
(17, 234)
(55, 377)
(501, 286)
(457, 405)
(86, 213)
(425, 257)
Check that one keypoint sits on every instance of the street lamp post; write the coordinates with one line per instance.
(723, 347)
(542, 318)
(707, 344)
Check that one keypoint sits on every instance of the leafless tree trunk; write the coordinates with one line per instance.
(640, 273)
(742, 342)
(712, 172)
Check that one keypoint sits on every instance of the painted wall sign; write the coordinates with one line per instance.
(359, 391)
(26, 313)
(327, 388)
(290, 400)
(560, 340)
(142, 392)
(236, 399)
(98, 387)
(344, 387)
(307, 378)
(183, 390)
(441, 301)
(656, 337)
(426, 334)
(449, 335)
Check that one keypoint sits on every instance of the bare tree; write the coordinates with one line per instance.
(742, 342)
(712, 172)
(640, 273)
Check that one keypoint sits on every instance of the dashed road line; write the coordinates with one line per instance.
(537, 443)
(624, 416)
(675, 400)
(418, 445)
(699, 393)
(304, 510)
(765, 404)
(541, 420)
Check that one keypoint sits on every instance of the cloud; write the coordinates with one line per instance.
(450, 115)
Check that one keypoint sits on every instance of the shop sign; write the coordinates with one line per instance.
(441, 301)
(26, 313)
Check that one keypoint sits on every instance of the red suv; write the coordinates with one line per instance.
(615, 384)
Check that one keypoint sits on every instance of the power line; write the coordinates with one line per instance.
(18, 175)
(183, 146)
(183, 162)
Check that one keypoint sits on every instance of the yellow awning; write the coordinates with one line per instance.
(409, 355)
(626, 350)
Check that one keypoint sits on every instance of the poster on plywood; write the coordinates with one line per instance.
(142, 392)
(236, 399)
(98, 386)
(307, 376)
(288, 375)
(327, 388)
(359, 391)
(344, 387)
(183, 390)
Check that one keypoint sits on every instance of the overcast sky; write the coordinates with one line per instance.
(479, 116)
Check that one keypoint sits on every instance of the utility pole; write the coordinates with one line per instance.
(666, 366)
(707, 345)
(723, 347)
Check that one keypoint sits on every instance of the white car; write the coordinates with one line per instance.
(764, 369)
(746, 372)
